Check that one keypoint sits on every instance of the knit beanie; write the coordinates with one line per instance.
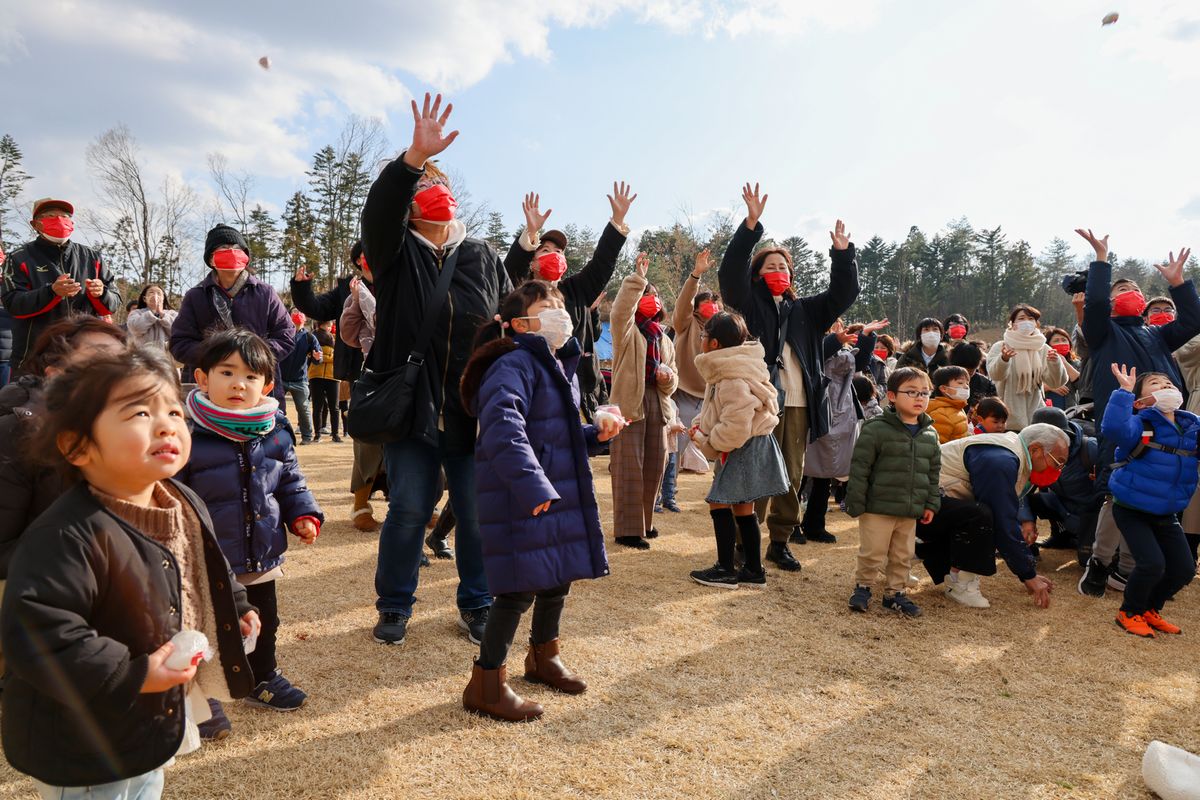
(222, 235)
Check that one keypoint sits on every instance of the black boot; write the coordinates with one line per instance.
(725, 530)
(752, 573)
(779, 555)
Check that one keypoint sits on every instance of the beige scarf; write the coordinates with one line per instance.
(1025, 368)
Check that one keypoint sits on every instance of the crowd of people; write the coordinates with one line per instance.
(149, 477)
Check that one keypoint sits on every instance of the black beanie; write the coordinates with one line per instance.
(222, 235)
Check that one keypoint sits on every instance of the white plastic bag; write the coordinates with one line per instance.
(609, 415)
(1171, 773)
(190, 648)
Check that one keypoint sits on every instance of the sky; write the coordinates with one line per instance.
(885, 113)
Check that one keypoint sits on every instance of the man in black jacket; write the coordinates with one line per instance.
(408, 233)
(544, 257)
(52, 277)
(347, 360)
(761, 287)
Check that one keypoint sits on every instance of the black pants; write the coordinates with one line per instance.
(961, 535)
(324, 393)
(1163, 562)
(818, 504)
(505, 616)
(262, 660)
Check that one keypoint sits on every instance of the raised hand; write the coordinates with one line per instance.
(1173, 269)
(534, 219)
(620, 200)
(754, 205)
(1125, 378)
(703, 262)
(1079, 299)
(642, 264)
(841, 239)
(1099, 245)
(1006, 352)
(428, 139)
(875, 325)
(302, 274)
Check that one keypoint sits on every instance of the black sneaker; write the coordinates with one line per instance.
(337, 439)
(1116, 579)
(821, 537)
(779, 555)
(1094, 577)
(860, 599)
(391, 628)
(424, 560)
(473, 621)
(900, 603)
(652, 533)
(755, 580)
(636, 542)
(439, 547)
(798, 536)
(716, 576)
(1059, 539)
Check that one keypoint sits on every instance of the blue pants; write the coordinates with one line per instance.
(412, 470)
(1163, 561)
(147, 786)
(667, 491)
(299, 393)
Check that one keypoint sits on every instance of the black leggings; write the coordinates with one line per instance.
(262, 660)
(505, 616)
(324, 393)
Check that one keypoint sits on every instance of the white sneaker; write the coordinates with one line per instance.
(964, 588)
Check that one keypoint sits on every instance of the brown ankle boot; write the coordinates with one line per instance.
(489, 695)
(363, 516)
(542, 665)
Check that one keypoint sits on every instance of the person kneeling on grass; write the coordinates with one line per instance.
(893, 483)
(739, 414)
(1152, 482)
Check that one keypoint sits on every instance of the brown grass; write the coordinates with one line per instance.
(701, 693)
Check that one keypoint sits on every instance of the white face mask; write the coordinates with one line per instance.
(1026, 326)
(931, 339)
(1168, 399)
(962, 393)
(556, 327)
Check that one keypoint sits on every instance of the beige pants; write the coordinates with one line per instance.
(792, 435)
(888, 545)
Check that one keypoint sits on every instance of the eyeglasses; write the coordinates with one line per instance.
(1057, 464)
(913, 394)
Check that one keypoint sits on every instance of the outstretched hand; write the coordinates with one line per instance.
(428, 139)
(534, 219)
(703, 262)
(1125, 378)
(754, 205)
(875, 325)
(1172, 271)
(302, 274)
(620, 201)
(841, 239)
(642, 264)
(1099, 245)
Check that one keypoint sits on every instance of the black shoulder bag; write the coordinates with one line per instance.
(381, 403)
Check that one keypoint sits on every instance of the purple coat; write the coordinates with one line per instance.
(532, 448)
(256, 308)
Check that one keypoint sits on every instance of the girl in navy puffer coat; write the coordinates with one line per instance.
(1149, 490)
(538, 516)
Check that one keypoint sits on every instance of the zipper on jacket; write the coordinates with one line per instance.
(449, 341)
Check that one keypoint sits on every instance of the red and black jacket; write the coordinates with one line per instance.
(27, 290)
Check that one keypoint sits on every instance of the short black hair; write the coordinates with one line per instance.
(928, 322)
(1145, 376)
(703, 297)
(903, 375)
(943, 376)
(966, 355)
(992, 407)
(726, 328)
(247, 344)
(864, 389)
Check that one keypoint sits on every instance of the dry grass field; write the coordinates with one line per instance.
(701, 693)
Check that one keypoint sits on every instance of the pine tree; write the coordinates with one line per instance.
(298, 243)
(262, 236)
(495, 233)
(12, 180)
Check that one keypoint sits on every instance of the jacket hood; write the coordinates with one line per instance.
(458, 234)
(746, 361)
(20, 393)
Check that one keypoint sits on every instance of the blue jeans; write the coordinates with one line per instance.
(5, 373)
(667, 491)
(412, 470)
(147, 786)
(299, 393)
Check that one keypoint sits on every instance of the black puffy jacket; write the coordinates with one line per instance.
(88, 598)
(26, 487)
(406, 271)
(347, 360)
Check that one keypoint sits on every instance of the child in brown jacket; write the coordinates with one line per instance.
(951, 390)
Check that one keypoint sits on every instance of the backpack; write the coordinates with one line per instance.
(1145, 444)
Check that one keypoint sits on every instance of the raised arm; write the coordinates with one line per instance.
(824, 308)
(518, 260)
(683, 315)
(1186, 325)
(582, 287)
(327, 305)
(621, 317)
(734, 275)
(1097, 305)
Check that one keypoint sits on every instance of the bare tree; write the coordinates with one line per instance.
(234, 187)
(149, 229)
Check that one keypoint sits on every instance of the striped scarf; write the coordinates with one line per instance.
(235, 425)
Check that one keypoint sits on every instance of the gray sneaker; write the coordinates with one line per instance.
(391, 628)
(473, 621)
(860, 599)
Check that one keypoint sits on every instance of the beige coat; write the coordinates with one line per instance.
(956, 481)
(740, 401)
(1021, 406)
(629, 356)
(1188, 358)
(688, 329)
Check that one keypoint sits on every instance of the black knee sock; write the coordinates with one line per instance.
(726, 532)
(1193, 540)
(751, 542)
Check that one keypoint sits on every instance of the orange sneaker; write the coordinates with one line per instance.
(1135, 624)
(1155, 620)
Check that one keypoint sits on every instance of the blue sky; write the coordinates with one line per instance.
(886, 113)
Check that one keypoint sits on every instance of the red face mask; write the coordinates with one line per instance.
(958, 331)
(552, 266)
(235, 259)
(1045, 477)
(298, 319)
(649, 306)
(58, 227)
(1130, 304)
(881, 354)
(777, 282)
(708, 309)
(1161, 318)
(436, 203)
(1062, 348)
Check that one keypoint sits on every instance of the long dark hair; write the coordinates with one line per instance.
(761, 256)
(141, 301)
(494, 338)
(58, 341)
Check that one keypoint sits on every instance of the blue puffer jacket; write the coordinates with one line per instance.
(1155, 482)
(532, 448)
(264, 471)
